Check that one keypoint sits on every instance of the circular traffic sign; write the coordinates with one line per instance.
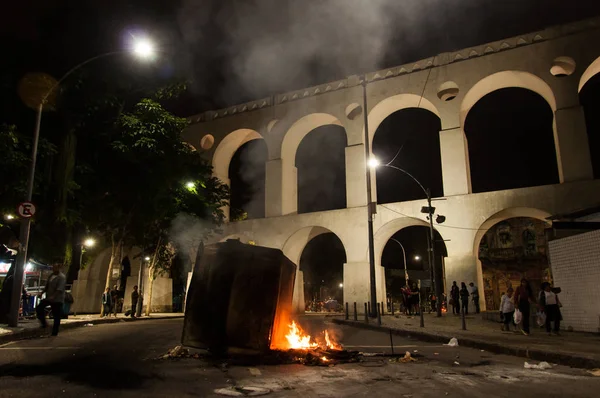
(26, 209)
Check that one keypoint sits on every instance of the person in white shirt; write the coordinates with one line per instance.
(550, 304)
(507, 308)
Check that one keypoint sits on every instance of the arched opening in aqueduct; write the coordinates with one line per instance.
(247, 179)
(322, 264)
(414, 239)
(510, 136)
(414, 135)
(589, 97)
(321, 164)
(509, 246)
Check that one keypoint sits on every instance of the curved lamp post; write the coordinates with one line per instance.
(143, 49)
(429, 210)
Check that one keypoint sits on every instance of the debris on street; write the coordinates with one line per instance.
(453, 342)
(540, 366)
(247, 391)
(594, 372)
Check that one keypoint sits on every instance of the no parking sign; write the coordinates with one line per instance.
(26, 209)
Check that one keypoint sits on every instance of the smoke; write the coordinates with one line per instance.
(271, 46)
(187, 233)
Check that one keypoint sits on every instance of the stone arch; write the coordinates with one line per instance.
(293, 248)
(386, 231)
(393, 104)
(494, 219)
(505, 79)
(227, 148)
(590, 72)
(300, 129)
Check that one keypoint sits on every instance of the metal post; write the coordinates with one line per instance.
(13, 316)
(379, 314)
(391, 342)
(422, 320)
(382, 308)
(369, 199)
(369, 309)
(366, 314)
(464, 320)
(392, 305)
(436, 285)
(347, 313)
(140, 303)
(355, 312)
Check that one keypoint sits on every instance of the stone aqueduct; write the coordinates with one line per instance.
(450, 85)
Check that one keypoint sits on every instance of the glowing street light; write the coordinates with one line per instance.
(190, 185)
(89, 242)
(341, 285)
(9, 217)
(144, 48)
(417, 258)
(147, 258)
(374, 163)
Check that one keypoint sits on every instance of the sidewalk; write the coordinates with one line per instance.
(572, 348)
(30, 328)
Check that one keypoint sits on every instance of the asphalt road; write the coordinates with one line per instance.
(119, 360)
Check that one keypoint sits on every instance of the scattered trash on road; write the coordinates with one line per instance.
(456, 363)
(453, 342)
(254, 372)
(540, 366)
(405, 359)
(594, 372)
(89, 324)
(243, 391)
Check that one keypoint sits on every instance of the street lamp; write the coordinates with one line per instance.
(417, 258)
(9, 217)
(89, 243)
(341, 285)
(404, 255)
(429, 210)
(370, 206)
(142, 49)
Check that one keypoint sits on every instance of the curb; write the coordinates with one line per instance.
(36, 332)
(575, 361)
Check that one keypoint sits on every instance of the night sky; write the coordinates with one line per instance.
(235, 51)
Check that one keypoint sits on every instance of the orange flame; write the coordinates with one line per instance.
(297, 339)
(324, 359)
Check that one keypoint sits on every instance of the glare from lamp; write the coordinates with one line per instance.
(9, 217)
(147, 258)
(89, 242)
(417, 258)
(341, 285)
(28, 267)
(143, 48)
(190, 185)
(373, 163)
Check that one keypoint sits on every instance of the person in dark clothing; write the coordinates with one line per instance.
(114, 295)
(464, 298)
(134, 300)
(475, 296)
(523, 300)
(107, 302)
(25, 298)
(55, 298)
(455, 297)
(550, 304)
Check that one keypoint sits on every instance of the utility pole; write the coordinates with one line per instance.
(370, 205)
(436, 286)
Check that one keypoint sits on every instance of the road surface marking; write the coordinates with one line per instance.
(9, 343)
(380, 346)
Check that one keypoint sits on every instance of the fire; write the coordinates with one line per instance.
(298, 340)
(324, 359)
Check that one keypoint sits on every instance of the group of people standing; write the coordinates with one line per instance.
(112, 301)
(459, 297)
(522, 299)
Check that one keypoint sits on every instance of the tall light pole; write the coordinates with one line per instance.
(370, 205)
(404, 254)
(429, 210)
(142, 49)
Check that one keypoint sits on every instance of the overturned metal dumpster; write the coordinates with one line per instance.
(239, 299)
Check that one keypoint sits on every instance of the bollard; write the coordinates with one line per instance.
(382, 308)
(391, 342)
(422, 323)
(355, 312)
(347, 313)
(464, 320)
(379, 314)
(392, 307)
(369, 308)
(366, 313)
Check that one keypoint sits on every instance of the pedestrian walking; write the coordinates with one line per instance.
(134, 300)
(523, 299)
(475, 296)
(464, 297)
(507, 310)
(25, 298)
(107, 302)
(550, 304)
(114, 295)
(455, 298)
(55, 298)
